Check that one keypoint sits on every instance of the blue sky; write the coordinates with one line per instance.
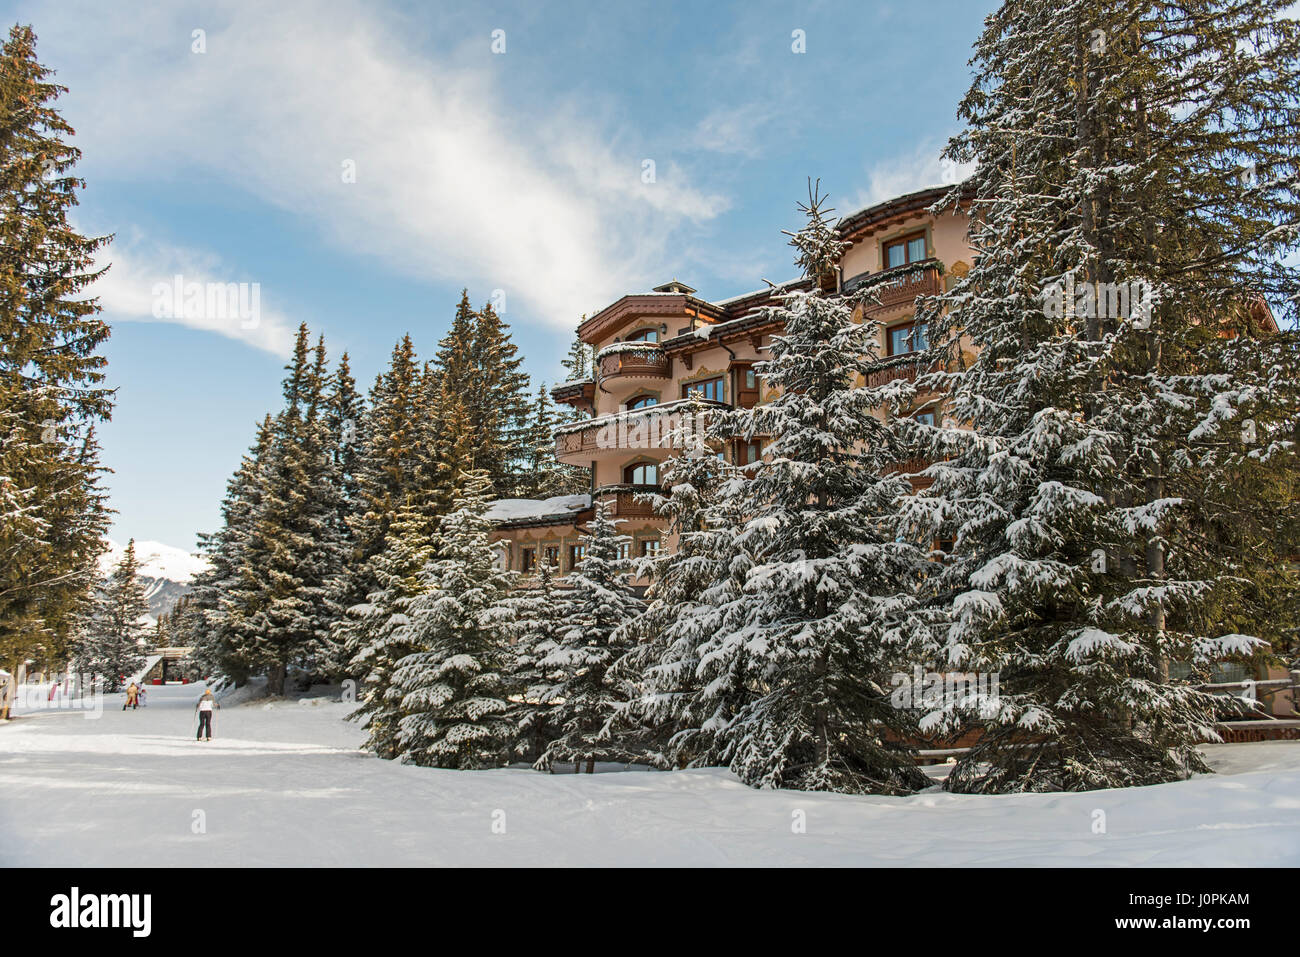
(519, 171)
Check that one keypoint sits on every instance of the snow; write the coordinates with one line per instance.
(156, 561)
(505, 509)
(283, 784)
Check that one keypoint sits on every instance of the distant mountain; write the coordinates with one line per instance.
(165, 571)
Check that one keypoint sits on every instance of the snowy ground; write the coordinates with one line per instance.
(283, 784)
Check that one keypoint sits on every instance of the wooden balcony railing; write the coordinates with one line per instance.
(648, 362)
(891, 370)
(624, 500)
(904, 290)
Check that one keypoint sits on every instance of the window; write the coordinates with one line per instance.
(553, 555)
(909, 337)
(643, 473)
(747, 453)
(925, 418)
(527, 558)
(576, 554)
(900, 252)
(643, 402)
(623, 551)
(704, 389)
(644, 335)
(648, 547)
(751, 379)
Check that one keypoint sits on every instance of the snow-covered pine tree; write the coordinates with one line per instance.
(825, 616)
(112, 646)
(388, 470)
(584, 698)
(1089, 563)
(529, 621)
(287, 622)
(376, 628)
(453, 688)
(499, 406)
(52, 510)
(681, 699)
(221, 595)
(543, 476)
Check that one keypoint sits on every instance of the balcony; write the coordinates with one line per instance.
(631, 360)
(623, 499)
(906, 367)
(918, 279)
(656, 427)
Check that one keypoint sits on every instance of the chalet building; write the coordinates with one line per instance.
(662, 353)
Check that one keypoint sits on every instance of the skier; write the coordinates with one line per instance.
(207, 701)
(132, 697)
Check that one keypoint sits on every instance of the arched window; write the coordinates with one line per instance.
(643, 402)
(641, 473)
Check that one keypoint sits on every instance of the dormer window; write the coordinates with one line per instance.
(901, 252)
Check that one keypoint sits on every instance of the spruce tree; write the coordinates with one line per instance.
(52, 510)
(453, 688)
(376, 629)
(583, 698)
(1100, 565)
(112, 648)
(824, 619)
(683, 699)
(529, 621)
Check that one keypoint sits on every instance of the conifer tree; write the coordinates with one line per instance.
(52, 510)
(824, 618)
(377, 628)
(1100, 562)
(583, 697)
(294, 527)
(453, 688)
(221, 595)
(682, 700)
(112, 647)
(529, 621)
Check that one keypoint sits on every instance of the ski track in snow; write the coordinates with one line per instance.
(284, 784)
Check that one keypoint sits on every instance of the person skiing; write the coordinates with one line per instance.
(132, 697)
(207, 701)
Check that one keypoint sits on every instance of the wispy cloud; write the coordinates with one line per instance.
(327, 112)
(142, 280)
(906, 173)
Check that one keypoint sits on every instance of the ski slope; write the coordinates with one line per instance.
(283, 783)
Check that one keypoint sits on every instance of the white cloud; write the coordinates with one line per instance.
(143, 275)
(907, 173)
(450, 183)
(734, 130)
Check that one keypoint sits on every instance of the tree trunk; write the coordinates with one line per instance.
(275, 679)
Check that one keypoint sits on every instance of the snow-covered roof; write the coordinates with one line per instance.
(755, 292)
(513, 509)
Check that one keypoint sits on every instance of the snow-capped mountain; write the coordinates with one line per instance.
(165, 571)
